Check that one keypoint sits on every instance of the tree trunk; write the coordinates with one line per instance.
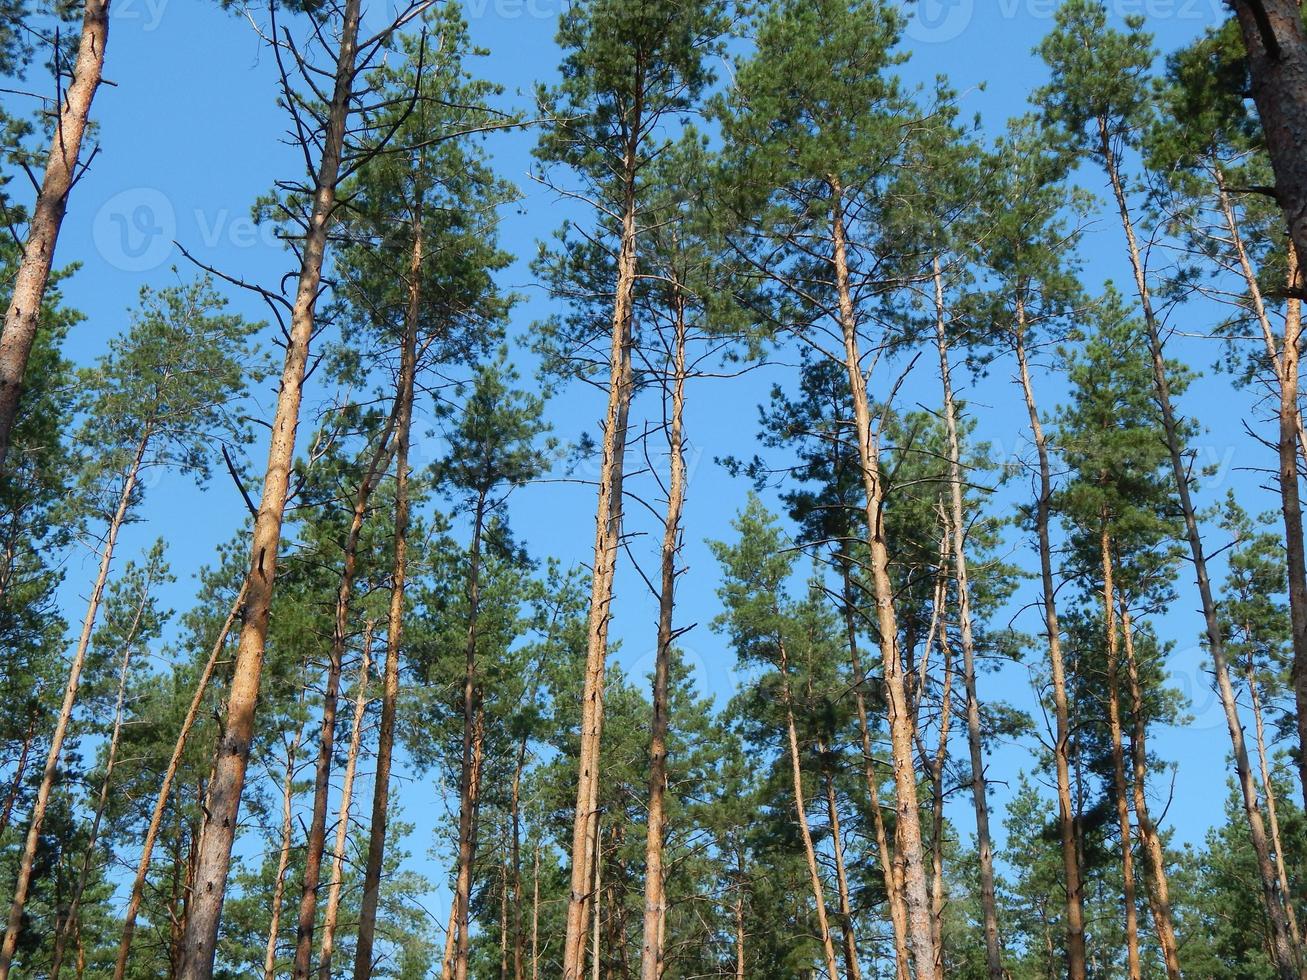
(469, 777)
(975, 743)
(30, 845)
(315, 845)
(61, 172)
(515, 818)
(165, 789)
(20, 771)
(900, 715)
(283, 858)
(1120, 791)
(394, 626)
(102, 801)
(852, 970)
(608, 533)
(739, 920)
(1075, 914)
(535, 917)
(346, 798)
(238, 730)
(936, 768)
(801, 812)
(1282, 952)
(655, 900)
(1159, 891)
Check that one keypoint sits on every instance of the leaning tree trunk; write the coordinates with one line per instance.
(1282, 952)
(165, 789)
(1066, 811)
(315, 845)
(801, 813)
(1159, 891)
(909, 854)
(102, 802)
(394, 625)
(975, 743)
(1120, 791)
(27, 860)
(61, 172)
(346, 797)
(283, 858)
(655, 899)
(469, 776)
(200, 940)
(608, 532)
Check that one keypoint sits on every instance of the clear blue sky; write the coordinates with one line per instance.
(191, 134)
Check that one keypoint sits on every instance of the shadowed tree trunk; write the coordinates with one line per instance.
(283, 858)
(61, 173)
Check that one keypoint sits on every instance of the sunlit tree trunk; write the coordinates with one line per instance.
(1066, 820)
(27, 859)
(283, 858)
(847, 932)
(62, 170)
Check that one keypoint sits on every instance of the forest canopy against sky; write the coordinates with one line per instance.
(653, 489)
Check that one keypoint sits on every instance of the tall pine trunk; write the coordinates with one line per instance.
(1066, 810)
(395, 621)
(1282, 952)
(655, 899)
(1159, 890)
(924, 952)
(975, 743)
(315, 845)
(283, 858)
(165, 788)
(27, 860)
(608, 533)
(200, 940)
(847, 931)
(22, 318)
(332, 911)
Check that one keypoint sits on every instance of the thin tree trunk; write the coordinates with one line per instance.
(515, 817)
(897, 703)
(395, 622)
(20, 771)
(28, 858)
(165, 789)
(1159, 891)
(1120, 791)
(801, 812)
(975, 743)
(61, 172)
(283, 858)
(1268, 791)
(598, 860)
(233, 754)
(346, 798)
(608, 532)
(503, 921)
(469, 777)
(936, 768)
(852, 969)
(655, 900)
(739, 919)
(315, 844)
(102, 801)
(535, 917)
(1281, 949)
(893, 893)
(1075, 915)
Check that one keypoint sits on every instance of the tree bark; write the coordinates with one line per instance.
(1120, 791)
(283, 858)
(1066, 811)
(515, 818)
(850, 945)
(1159, 891)
(346, 798)
(315, 844)
(61, 172)
(975, 743)
(102, 801)
(655, 900)
(395, 623)
(900, 714)
(1282, 952)
(233, 754)
(20, 771)
(28, 858)
(608, 533)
